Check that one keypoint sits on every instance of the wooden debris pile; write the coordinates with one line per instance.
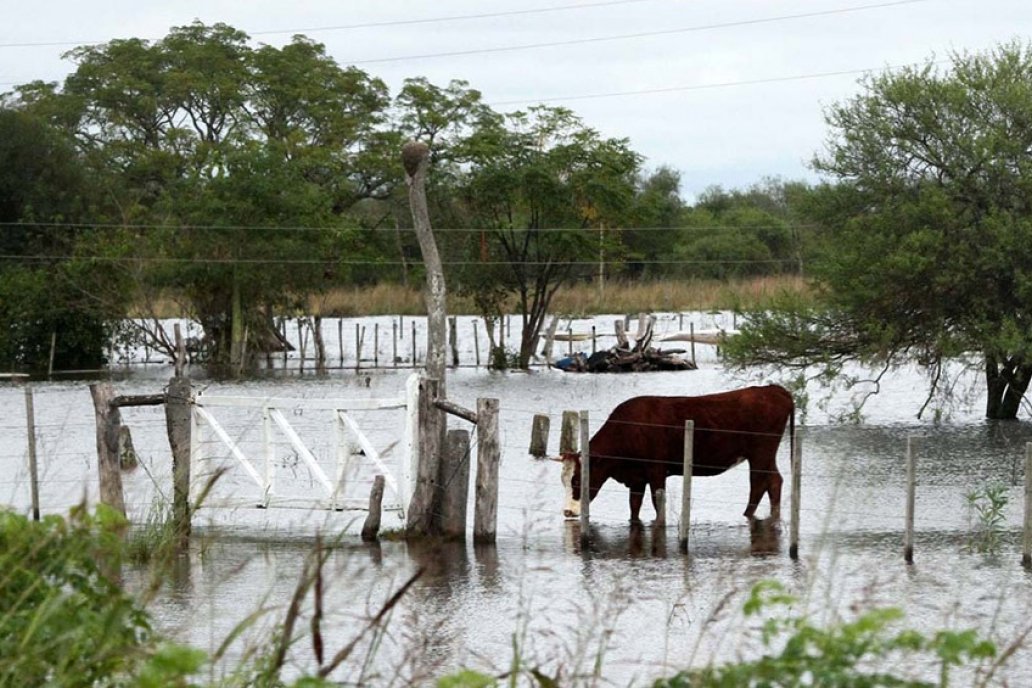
(627, 358)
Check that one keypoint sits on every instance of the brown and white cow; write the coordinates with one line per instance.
(642, 443)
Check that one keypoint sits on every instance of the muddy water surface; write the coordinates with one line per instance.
(629, 602)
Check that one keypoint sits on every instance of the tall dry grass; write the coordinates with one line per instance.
(578, 299)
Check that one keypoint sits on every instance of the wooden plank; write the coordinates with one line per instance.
(568, 433)
(291, 404)
(110, 473)
(454, 479)
(456, 410)
(485, 517)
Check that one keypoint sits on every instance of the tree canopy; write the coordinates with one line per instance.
(926, 230)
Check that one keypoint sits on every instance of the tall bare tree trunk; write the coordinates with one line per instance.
(416, 159)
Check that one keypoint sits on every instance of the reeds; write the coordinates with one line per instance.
(577, 299)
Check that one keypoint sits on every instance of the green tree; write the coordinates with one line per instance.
(653, 229)
(927, 253)
(543, 186)
(46, 293)
(215, 154)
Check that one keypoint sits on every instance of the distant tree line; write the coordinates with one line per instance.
(241, 180)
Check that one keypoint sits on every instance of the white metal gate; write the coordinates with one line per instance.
(353, 448)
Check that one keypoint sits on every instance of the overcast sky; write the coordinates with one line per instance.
(725, 91)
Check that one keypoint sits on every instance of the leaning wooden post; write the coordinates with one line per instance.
(371, 527)
(485, 517)
(585, 483)
(908, 532)
(30, 422)
(107, 454)
(539, 436)
(686, 488)
(1026, 539)
(454, 480)
(421, 519)
(797, 479)
(415, 156)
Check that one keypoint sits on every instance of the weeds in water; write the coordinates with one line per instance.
(846, 654)
(988, 503)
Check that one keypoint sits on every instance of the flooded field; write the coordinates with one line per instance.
(630, 603)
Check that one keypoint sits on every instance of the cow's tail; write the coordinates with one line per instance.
(791, 432)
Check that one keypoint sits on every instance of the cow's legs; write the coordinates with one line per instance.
(774, 482)
(636, 497)
(757, 487)
(767, 481)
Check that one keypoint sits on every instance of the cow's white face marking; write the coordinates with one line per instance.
(572, 506)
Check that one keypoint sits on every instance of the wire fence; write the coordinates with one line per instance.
(840, 485)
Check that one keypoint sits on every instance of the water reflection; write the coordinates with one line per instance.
(764, 537)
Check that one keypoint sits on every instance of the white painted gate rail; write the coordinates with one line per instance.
(352, 444)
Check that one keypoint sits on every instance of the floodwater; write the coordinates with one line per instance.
(628, 607)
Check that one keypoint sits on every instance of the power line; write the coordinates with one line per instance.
(335, 261)
(371, 25)
(390, 230)
(642, 34)
(700, 87)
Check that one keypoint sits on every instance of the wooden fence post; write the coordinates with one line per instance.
(53, 348)
(358, 346)
(455, 484)
(453, 337)
(485, 517)
(691, 330)
(178, 417)
(568, 433)
(1026, 537)
(539, 436)
(797, 479)
(394, 343)
(660, 507)
(371, 527)
(107, 447)
(421, 519)
(476, 342)
(686, 489)
(585, 483)
(340, 341)
(908, 532)
(30, 422)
